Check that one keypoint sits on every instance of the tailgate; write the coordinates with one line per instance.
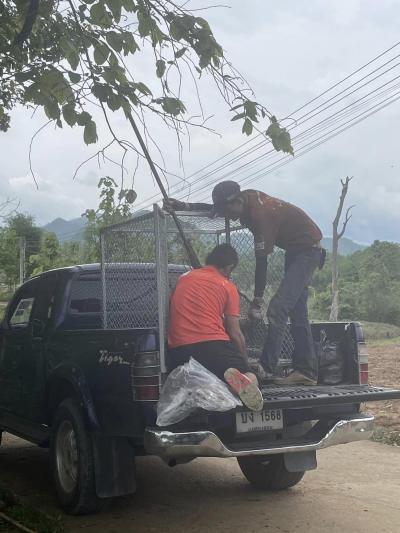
(300, 396)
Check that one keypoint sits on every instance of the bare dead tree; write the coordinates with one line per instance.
(337, 235)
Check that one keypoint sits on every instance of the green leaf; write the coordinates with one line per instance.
(73, 59)
(130, 196)
(180, 52)
(238, 117)
(69, 114)
(74, 77)
(20, 77)
(51, 109)
(280, 137)
(83, 118)
(115, 40)
(129, 5)
(143, 88)
(101, 53)
(146, 24)
(176, 29)
(160, 68)
(172, 106)
(71, 53)
(101, 91)
(130, 45)
(247, 127)
(203, 23)
(251, 110)
(52, 82)
(114, 102)
(115, 7)
(108, 75)
(99, 15)
(90, 133)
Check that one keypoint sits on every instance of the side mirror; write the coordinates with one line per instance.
(38, 327)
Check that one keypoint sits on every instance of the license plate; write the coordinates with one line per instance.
(247, 422)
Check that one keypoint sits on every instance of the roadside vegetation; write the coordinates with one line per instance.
(16, 515)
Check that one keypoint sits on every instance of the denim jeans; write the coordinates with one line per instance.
(290, 301)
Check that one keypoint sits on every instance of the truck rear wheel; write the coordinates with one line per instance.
(268, 472)
(72, 460)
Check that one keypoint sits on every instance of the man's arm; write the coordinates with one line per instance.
(177, 205)
(235, 333)
(260, 277)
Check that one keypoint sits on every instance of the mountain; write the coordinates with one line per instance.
(346, 246)
(72, 230)
(67, 230)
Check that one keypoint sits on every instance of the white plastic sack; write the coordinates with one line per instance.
(190, 387)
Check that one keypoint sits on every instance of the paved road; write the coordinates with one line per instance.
(356, 489)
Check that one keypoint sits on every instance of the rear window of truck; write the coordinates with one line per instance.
(131, 300)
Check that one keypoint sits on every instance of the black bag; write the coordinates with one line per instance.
(330, 361)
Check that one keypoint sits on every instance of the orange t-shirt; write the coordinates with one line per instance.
(201, 300)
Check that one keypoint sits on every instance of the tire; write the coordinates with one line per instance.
(268, 472)
(72, 460)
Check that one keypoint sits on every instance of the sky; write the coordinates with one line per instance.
(289, 52)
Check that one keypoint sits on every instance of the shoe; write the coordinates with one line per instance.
(295, 378)
(262, 375)
(246, 389)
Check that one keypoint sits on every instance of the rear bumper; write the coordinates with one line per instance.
(169, 446)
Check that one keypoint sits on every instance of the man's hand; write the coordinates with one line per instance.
(173, 205)
(255, 309)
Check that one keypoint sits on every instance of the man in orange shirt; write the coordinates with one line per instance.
(204, 324)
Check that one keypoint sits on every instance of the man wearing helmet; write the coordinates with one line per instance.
(274, 222)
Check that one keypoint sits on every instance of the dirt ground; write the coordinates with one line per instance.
(354, 490)
(384, 369)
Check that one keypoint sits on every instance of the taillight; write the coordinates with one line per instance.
(146, 376)
(363, 363)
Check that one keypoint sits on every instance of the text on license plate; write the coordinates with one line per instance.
(262, 421)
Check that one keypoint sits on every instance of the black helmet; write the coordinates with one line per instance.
(222, 194)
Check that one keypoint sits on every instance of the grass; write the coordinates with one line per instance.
(386, 436)
(27, 514)
(379, 331)
(384, 342)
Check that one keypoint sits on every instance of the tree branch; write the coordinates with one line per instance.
(28, 23)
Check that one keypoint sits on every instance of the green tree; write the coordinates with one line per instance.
(48, 255)
(115, 206)
(67, 57)
(53, 254)
(9, 253)
(18, 226)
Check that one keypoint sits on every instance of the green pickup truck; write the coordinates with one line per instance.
(90, 394)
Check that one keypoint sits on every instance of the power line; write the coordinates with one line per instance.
(314, 144)
(177, 188)
(342, 113)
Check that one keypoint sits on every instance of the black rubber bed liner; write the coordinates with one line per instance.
(299, 396)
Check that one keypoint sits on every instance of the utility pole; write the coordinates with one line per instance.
(22, 247)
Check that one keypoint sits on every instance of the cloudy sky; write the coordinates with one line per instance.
(289, 51)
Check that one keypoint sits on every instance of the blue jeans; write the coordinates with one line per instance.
(290, 301)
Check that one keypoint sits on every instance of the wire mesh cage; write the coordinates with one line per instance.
(143, 258)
